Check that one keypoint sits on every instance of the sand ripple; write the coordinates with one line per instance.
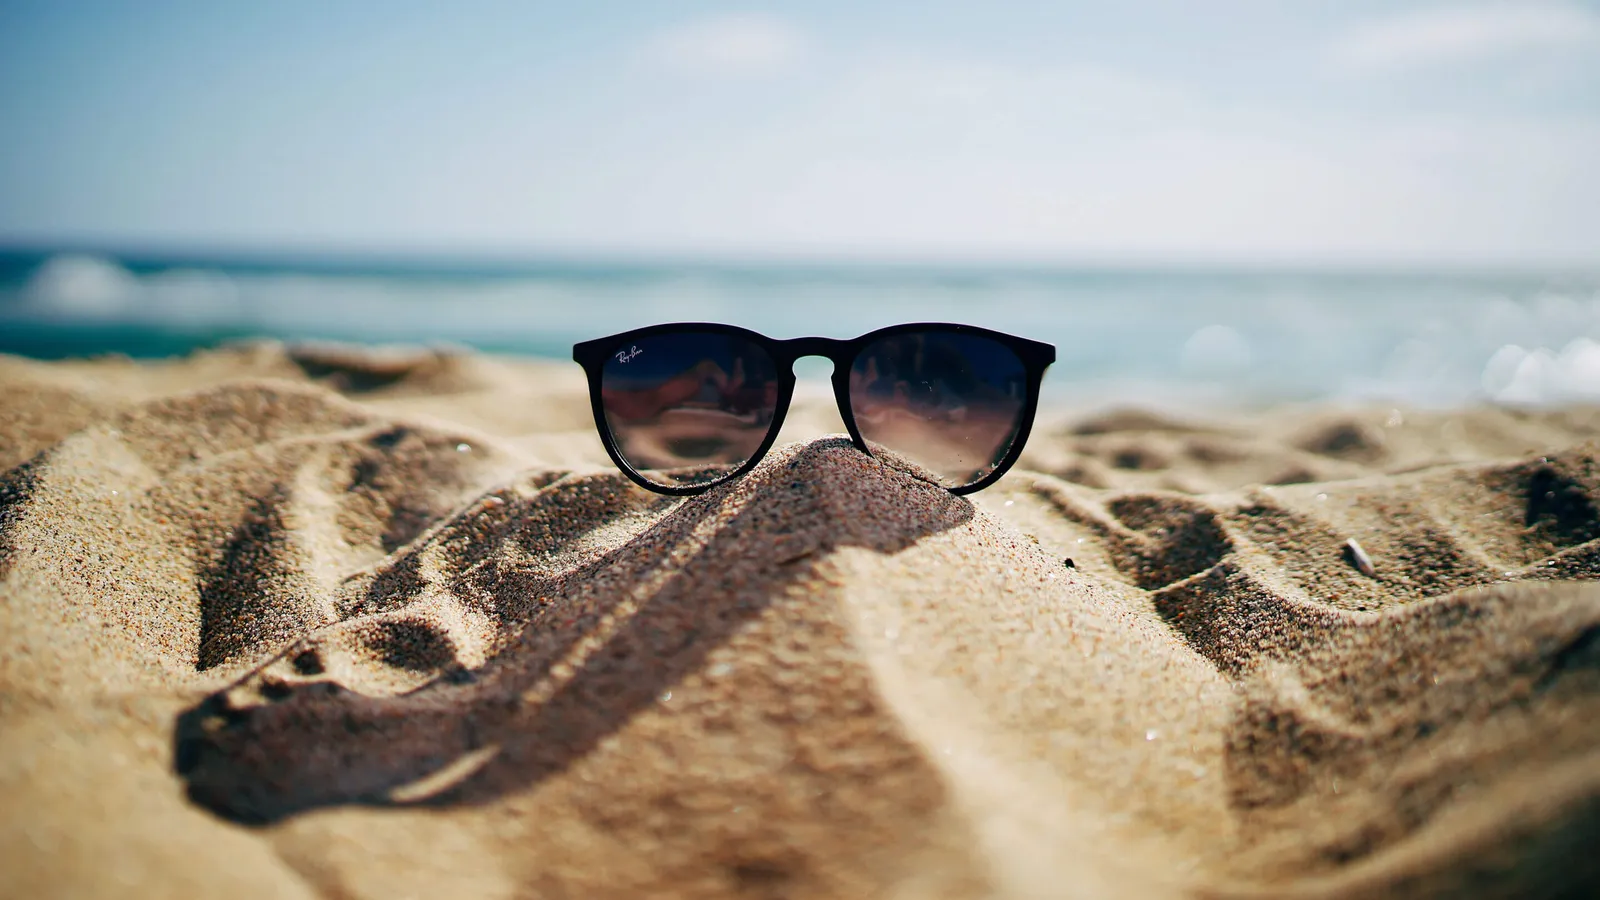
(316, 622)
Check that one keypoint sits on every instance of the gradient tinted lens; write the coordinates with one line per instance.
(688, 409)
(950, 403)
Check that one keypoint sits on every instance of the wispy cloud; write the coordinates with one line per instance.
(749, 43)
(919, 154)
(1469, 33)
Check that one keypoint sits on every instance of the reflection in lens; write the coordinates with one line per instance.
(687, 409)
(950, 403)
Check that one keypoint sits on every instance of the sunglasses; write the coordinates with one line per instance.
(684, 407)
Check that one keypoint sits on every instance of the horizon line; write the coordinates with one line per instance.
(507, 260)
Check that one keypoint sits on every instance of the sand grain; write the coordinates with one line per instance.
(326, 622)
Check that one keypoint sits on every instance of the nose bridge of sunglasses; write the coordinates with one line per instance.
(813, 412)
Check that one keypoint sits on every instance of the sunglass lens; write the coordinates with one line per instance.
(951, 403)
(688, 409)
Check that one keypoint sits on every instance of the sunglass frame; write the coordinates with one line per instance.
(1035, 356)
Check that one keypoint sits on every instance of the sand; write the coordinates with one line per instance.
(324, 622)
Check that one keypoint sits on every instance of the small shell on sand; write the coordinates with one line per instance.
(1359, 558)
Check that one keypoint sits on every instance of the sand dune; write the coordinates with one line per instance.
(323, 622)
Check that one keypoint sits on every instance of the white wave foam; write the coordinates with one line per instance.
(1216, 350)
(82, 286)
(1515, 376)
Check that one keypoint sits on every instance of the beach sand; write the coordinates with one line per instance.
(324, 622)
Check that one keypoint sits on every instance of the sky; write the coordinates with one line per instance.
(1230, 131)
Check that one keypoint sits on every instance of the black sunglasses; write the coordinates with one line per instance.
(687, 406)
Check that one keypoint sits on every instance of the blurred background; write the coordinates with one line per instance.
(1230, 203)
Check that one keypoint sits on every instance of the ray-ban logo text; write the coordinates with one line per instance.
(628, 354)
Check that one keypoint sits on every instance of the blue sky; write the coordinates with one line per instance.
(1228, 131)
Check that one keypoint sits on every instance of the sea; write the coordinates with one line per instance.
(1161, 337)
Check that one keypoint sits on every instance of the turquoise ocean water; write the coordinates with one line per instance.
(1161, 337)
